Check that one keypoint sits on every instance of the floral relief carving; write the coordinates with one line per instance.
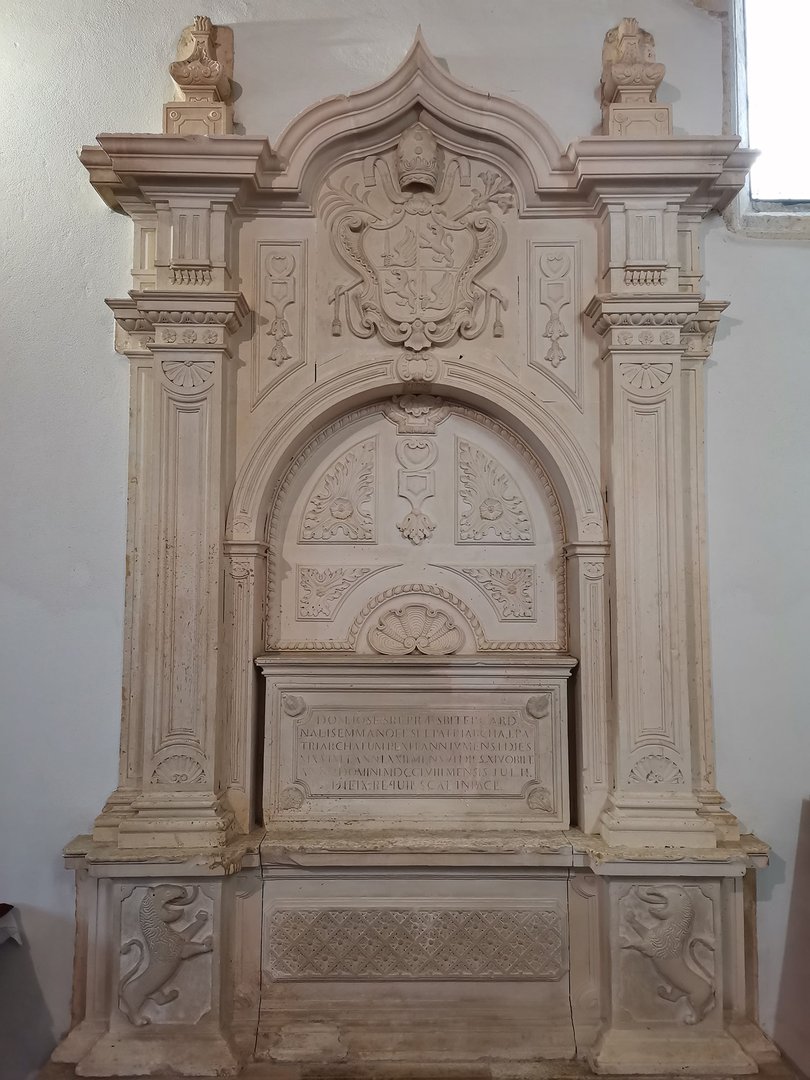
(417, 482)
(322, 589)
(415, 628)
(161, 950)
(341, 505)
(489, 499)
(417, 235)
(656, 769)
(670, 943)
(279, 294)
(510, 589)
(555, 294)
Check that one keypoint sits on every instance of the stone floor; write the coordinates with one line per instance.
(402, 1071)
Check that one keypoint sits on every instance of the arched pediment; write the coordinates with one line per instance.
(348, 126)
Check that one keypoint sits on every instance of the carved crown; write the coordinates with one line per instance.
(419, 159)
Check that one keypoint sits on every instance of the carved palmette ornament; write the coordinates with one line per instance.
(341, 506)
(417, 255)
(415, 628)
(491, 506)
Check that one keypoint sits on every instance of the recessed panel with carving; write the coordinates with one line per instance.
(398, 741)
(416, 525)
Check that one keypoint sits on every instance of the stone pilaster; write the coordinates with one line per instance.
(588, 595)
(180, 803)
(652, 799)
(698, 336)
(246, 566)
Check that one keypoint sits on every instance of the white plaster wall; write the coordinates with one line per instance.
(73, 69)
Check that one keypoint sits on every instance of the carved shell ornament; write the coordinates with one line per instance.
(415, 628)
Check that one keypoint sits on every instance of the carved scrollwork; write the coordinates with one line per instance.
(417, 254)
(417, 414)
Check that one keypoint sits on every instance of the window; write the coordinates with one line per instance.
(777, 122)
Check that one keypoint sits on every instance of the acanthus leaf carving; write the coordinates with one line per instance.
(162, 949)
(489, 499)
(510, 589)
(415, 628)
(417, 254)
(417, 414)
(341, 505)
(322, 589)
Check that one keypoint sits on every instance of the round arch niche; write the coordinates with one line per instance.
(417, 626)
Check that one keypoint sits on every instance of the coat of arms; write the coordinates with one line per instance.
(417, 246)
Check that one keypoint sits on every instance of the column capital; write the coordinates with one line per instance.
(699, 329)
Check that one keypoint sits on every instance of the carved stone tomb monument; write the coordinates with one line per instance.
(417, 767)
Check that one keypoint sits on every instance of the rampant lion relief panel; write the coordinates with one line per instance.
(416, 526)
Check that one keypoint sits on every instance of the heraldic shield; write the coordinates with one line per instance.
(417, 243)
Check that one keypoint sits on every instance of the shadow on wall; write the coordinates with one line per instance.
(26, 1027)
(791, 1030)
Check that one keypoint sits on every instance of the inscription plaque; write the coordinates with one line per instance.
(401, 752)
(398, 741)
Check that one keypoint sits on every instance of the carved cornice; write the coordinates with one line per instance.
(134, 332)
(212, 309)
(642, 313)
(702, 173)
(699, 330)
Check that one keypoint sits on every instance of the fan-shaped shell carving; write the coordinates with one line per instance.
(415, 628)
(179, 769)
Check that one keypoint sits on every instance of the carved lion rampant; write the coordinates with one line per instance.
(670, 945)
(166, 948)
